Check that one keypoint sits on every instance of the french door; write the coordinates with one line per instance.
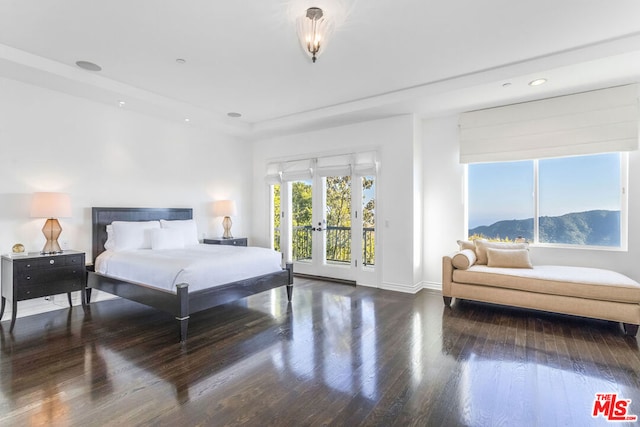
(325, 224)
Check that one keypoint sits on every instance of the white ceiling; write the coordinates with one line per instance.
(385, 58)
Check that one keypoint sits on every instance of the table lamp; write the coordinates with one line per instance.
(225, 208)
(51, 206)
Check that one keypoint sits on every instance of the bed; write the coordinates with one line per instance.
(179, 302)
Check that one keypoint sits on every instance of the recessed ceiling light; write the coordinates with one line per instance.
(181, 61)
(121, 103)
(187, 119)
(90, 66)
(507, 84)
(537, 82)
(234, 114)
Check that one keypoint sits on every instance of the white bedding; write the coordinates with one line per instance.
(200, 266)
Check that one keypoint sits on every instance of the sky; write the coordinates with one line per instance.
(504, 191)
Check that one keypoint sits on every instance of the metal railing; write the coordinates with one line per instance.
(338, 244)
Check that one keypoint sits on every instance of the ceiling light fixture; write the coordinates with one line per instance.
(89, 66)
(181, 61)
(313, 31)
(537, 82)
(121, 104)
(234, 114)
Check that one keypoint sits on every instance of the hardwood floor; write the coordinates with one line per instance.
(337, 355)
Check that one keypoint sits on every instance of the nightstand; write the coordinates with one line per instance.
(235, 241)
(34, 275)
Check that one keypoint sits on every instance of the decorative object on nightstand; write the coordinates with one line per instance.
(227, 209)
(51, 206)
(18, 248)
(236, 241)
(35, 275)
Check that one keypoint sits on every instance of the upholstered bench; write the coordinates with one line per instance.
(580, 291)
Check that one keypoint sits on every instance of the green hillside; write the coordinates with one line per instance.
(598, 228)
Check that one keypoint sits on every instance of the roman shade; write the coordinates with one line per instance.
(334, 165)
(599, 121)
(361, 164)
(298, 170)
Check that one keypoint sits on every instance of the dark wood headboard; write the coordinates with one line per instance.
(101, 217)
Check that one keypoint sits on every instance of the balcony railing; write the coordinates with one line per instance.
(338, 244)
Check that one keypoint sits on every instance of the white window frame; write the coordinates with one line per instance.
(624, 203)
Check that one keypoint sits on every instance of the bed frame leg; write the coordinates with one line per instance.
(447, 301)
(630, 329)
(183, 323)
(182, 289)
(289, 267)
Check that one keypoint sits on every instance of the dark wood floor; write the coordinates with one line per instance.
(338, 355)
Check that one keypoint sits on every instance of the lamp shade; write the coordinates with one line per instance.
(50, 205)
(224, 208)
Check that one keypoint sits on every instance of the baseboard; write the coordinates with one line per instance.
(326, 279)
(408, 289)
(436, 286)
(367, 285)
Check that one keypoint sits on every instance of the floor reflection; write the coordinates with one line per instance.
(335, 355)
(527, 364)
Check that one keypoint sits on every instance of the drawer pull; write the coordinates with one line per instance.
(51, 262)
(28, 277)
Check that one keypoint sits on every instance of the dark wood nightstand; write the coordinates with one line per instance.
(235, 241)
(34, 275)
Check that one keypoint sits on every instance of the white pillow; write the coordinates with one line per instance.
(186, 226)
(133, 234)
(111, 240)
(166, 238)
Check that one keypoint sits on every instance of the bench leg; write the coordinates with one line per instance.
(447, 301)
(630, 329)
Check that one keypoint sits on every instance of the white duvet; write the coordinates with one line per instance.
(200, 266)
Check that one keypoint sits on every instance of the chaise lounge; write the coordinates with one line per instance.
(502, 274)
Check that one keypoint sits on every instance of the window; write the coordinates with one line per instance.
(559, 201)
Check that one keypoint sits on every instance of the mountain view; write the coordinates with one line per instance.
(597, 228)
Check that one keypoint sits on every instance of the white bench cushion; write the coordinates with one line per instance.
(581, 282)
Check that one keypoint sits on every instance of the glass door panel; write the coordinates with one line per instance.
(368, 221)
(337, 220)
(276, 204)
(301, 221)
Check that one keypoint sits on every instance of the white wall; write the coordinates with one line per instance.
(108, 156)
(443, 195)
(394, 138)
(444, 220)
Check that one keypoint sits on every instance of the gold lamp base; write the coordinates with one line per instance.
(226, 223)
(51, 231)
